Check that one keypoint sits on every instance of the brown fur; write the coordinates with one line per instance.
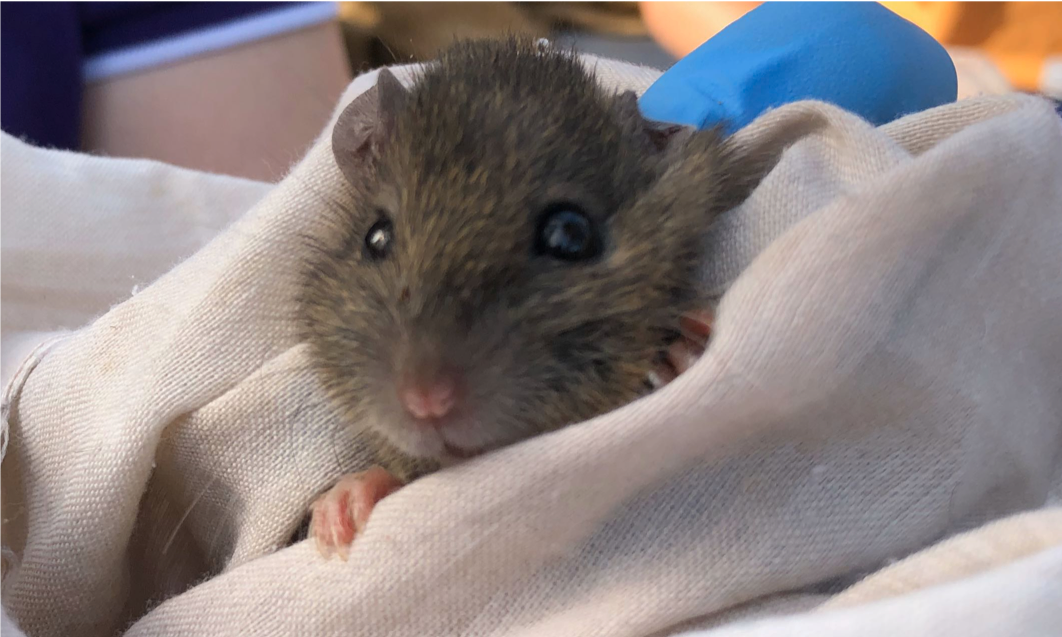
(464, 163)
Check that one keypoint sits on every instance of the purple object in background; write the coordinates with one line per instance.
(108, 26)
(40, 71)
(44, 45)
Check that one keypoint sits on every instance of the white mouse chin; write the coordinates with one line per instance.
(421, 442)
(416, 442)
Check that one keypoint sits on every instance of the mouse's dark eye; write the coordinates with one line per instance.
(567, 233)
(380, 238)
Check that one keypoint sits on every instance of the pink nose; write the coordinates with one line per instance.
(429, 401)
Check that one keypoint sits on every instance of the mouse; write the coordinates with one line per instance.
(519, 250)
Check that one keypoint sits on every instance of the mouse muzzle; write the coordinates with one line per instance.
(430, 398)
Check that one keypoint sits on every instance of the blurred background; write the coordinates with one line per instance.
(243, 88)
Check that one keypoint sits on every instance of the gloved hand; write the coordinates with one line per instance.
(857, 55)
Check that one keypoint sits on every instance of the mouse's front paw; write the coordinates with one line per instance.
(696, 328)
(342, 512)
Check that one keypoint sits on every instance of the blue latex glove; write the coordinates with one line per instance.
(857, 55)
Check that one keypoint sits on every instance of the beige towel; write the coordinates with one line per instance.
(886, 370)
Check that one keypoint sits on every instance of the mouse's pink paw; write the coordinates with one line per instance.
(342, 512)
(696, 328)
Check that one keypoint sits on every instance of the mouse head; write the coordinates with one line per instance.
(515, 254)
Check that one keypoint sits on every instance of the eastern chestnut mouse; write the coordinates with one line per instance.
(519, 251)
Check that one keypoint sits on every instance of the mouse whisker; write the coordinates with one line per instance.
(184, 516)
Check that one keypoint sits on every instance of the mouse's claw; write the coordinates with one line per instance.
(338, 515)
(660, 375)
(696, 328)
(682, 354)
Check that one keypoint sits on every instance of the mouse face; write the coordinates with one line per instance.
(514, 258)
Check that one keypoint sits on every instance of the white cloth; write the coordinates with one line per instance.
(886, 370)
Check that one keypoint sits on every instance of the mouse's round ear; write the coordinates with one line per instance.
(659, 137)
(365, 125)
